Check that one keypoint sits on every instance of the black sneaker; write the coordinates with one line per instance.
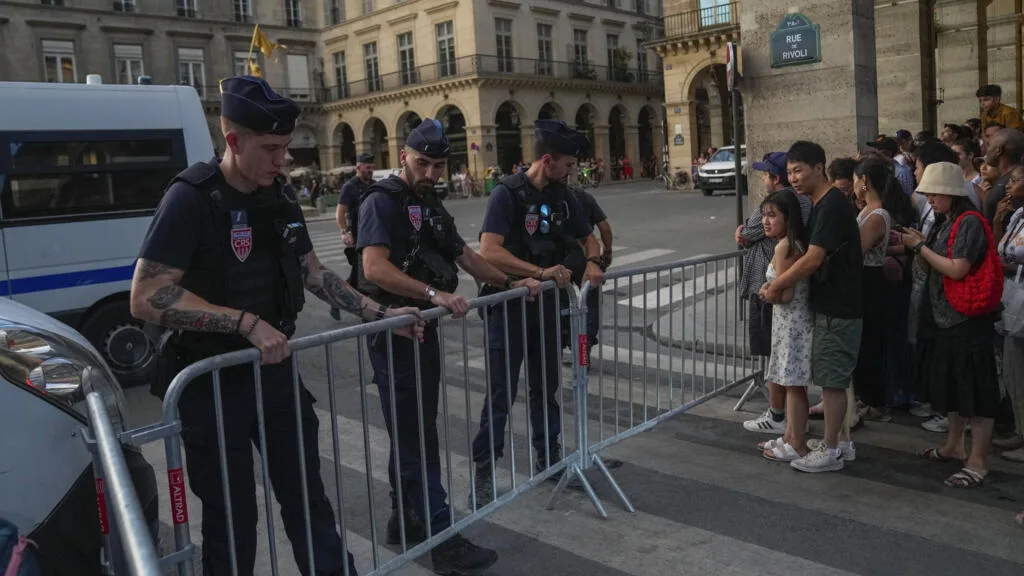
(460, 557)
(415, 531)
(335, 313)
(483, 482)
(542, 460)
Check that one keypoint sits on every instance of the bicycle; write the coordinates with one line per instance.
(585, 178)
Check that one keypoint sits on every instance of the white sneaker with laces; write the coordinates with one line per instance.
(921, 410)
(820, 460)
(938, 424)
(764, 424)
(847, 446)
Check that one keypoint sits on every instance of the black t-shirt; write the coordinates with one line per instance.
(184, 223)
(836, 286)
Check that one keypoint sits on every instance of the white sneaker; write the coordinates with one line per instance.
(921, 410)
(819, 460)
(764, 424)
(938, 424)
(847, 446)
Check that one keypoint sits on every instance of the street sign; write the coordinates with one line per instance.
(730, 65)
(796, 41)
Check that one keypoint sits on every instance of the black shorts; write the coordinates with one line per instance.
(759, 327)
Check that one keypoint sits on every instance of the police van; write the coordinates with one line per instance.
(82, 168)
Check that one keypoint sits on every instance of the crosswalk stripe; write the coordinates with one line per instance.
(679, 291)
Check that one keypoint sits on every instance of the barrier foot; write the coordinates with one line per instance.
(596, 459)
(570, 473)
(757, 385)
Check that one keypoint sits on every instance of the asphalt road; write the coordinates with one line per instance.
(706, 502)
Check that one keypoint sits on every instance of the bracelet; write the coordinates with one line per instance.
(253, 327)
(540, 274)
(917, 249)
(596, 260)
(238, 325)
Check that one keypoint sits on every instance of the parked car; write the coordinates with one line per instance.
(47, 487)
(719, 173)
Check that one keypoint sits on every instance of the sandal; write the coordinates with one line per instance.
(782, 453)
(934, 455)
(769, 444)
(965, 478)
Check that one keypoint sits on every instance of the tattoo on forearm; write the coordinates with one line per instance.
(166, 296)
(198, 320)
(150, 270)
(329, 287)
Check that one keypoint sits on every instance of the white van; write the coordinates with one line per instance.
(82, 168)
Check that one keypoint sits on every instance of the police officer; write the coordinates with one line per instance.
(225, 259)
(347, 214)
(595, 217)
(409, 250)
(531, 226)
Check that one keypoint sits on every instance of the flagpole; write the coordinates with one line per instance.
(252, 45)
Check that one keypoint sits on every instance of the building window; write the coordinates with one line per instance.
(641, 6)
(190, 69)
(545, 54)
(613, 63)
(503, 39)
(368, 6)
(336, 11)
(612, 3)
(240, 61)
(121, 5)
(298, 77)
(371, 67)
(293, 13)
(445, 49)
(128, 63)
(53, 2)
(59, 61)
(243, 10)
(579, 47)
(406, 59)
(641, 60)
(186, 8)
(714, 13)
(340, 75)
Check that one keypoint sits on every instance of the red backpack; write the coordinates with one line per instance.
(981, 290)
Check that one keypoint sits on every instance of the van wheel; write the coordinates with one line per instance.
(121, 341)
(706, 192)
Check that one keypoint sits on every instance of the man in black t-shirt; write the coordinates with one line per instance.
(833, 264)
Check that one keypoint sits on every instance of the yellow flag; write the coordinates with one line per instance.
(254, 69)
(264, 44)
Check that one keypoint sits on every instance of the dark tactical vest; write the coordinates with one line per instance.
(538, 234)
(253, 267)
(420, 246)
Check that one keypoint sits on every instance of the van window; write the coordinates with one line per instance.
(70, 174)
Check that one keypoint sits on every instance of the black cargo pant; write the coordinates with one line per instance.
(241, 430)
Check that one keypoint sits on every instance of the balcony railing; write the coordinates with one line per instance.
(702, 19)
(307, 95)
(493, 65)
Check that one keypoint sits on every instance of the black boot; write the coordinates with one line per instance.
(335, 313)
(483, 482)
(542, 459)
(460, 557)
(415, 531)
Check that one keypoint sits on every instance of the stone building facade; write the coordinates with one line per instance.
(367, 71)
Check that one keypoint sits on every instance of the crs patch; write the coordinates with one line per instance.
(416, 217)
(531, 223)
(241, 235)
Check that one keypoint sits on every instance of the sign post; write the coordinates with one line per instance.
(732, 77)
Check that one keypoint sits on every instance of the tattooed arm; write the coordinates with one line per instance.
(158, 297)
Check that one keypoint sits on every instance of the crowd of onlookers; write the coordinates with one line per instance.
(892, 280)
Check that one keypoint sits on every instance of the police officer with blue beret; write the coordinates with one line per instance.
(222, 268)
(409, 251)
(347, 213)
(532, 228)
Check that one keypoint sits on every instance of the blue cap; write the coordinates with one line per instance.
(429, 139)
(251, 102)
(772, 163)
(365, 159)
(558, 136)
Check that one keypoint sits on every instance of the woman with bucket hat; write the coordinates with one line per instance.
(955, 363)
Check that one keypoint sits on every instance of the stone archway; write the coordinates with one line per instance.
(711, 115)
(550, 111)
(304, 148)
(375, 134)
(508, 138)
(617, 121)
(343, 142)
(586, 119)
(646, 123)
(454, 124)
(407, 122)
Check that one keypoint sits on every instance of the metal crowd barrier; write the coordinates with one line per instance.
(634, 390)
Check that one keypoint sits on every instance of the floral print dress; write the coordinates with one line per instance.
(792, 330)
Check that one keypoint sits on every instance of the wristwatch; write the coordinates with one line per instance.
(430, 292)
(508, 282)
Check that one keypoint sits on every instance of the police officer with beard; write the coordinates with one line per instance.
(532, 228)
(410, 248)
(222, 268)
(347, 213)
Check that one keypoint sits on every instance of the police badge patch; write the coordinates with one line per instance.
(416, 217)
(531, 223)
(241, 235)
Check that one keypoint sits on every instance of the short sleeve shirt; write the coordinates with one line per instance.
(836, 286)
(183, 223)
(350, 191)
(971, 243)
(591, 209)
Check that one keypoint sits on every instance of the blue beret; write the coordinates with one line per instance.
(429, 139)
(365, 159)
(251, 102)
(557, 136)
